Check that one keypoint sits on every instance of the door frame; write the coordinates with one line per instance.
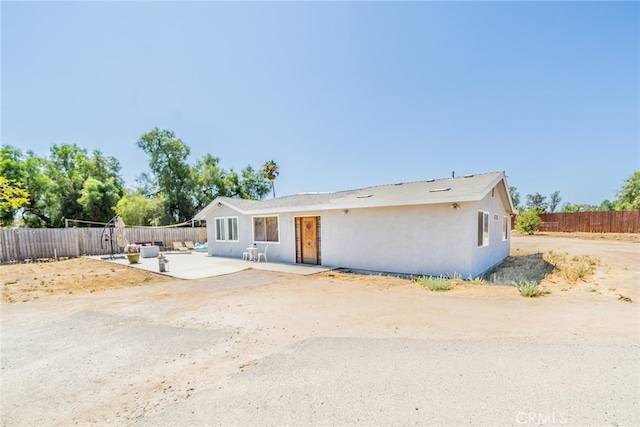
(298, 238)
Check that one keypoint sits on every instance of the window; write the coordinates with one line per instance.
(505, 228)
(483, 228)
(232, 228)
(265, 229)
(221, 236)
(227, 229)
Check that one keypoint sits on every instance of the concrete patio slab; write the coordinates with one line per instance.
(198, 265)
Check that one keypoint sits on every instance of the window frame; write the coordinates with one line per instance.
(483, 228)
(223, 227)
(253, 226)
(506, 226)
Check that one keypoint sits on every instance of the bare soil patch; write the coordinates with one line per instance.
(564, 263)
(29, 282)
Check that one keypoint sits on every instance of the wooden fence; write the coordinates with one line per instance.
(20, 244)
(592, 222)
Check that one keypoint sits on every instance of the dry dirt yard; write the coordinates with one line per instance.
(91, 343)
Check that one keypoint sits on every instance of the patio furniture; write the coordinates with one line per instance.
(263, 255)
(178, 246)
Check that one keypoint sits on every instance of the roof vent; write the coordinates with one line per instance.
(468, 176)
(437, 190)
(399, 183)
(365, 196)
(430, 180)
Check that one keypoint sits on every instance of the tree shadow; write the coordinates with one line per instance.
(519, 268)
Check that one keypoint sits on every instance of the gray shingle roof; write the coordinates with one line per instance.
(464, 188)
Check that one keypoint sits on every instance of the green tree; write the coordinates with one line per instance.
(69, 167)
(271, 171)
(12, 170)
(554, 201)
(254, 184)
(11, 197)
(37, 183)
(537, 202)
(98, 199)
(569, 207)
(515, 196)
(607, 205)
(209, 181)
(27, 172)
(136, 208)
(629, 194)
(528, 222)
(173, 175)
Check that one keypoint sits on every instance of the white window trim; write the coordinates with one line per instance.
(506, 228)
(253, 229)
(225, 228)
(485, 221)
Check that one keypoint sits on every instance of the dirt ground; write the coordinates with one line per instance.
(614, 262)
(104, 345)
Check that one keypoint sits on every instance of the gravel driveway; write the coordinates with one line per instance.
(267, 348)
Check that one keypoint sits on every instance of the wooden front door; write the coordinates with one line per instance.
(308, 240)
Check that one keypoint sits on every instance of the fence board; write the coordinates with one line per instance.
(592, 222)
(20, 244)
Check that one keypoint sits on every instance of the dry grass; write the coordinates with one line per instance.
(572, 268)
(534, 268)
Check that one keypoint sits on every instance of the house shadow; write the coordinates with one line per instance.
(518, 268)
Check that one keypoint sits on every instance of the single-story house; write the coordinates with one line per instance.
(434, 227)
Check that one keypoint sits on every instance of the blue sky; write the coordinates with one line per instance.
(341, 95)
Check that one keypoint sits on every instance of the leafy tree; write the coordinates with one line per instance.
(98, 198)
(629, 194)
(209, 181)
(271, 171)
(515, 196)
(69, 167)
(607, 205)
(528, 222)
(568, 207)
(136, 208)
(254, 185)
(27, 171)
(167, 161)
(554, 201)
(537, 202)
(37, 183)
(13, 172)
(249, 184)
(11, 197)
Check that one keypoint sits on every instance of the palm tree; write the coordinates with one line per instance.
(270, 170)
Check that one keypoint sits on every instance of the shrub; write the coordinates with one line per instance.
(528, 222)
(530, 289)
(437, 284)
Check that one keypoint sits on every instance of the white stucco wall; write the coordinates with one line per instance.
(426, 239)
(498, 249)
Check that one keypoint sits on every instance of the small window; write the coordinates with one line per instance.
(221, 236)
(232, 228)
(505, 228)
(265, 229)
(227, 229)
(483, 228)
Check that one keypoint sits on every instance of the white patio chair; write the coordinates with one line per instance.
(246, 256)
(263, 255)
